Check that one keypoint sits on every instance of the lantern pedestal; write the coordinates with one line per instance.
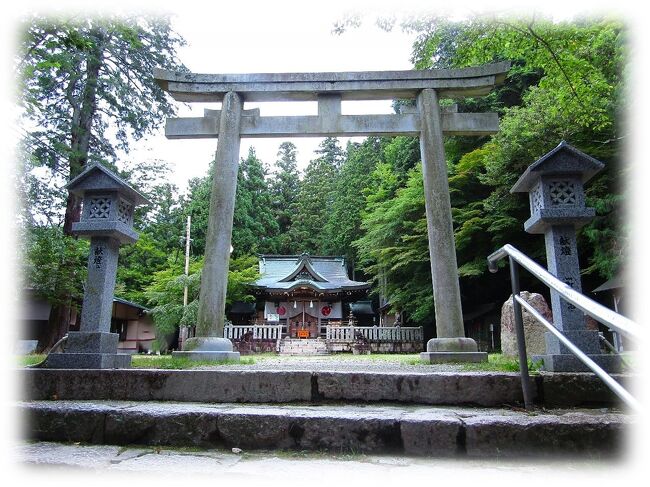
(460, 349)
(207, 348)
(90, 350)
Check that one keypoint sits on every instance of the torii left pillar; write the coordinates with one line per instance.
(209, 343)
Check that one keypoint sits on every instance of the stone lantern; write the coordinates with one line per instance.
(555, 187)
(107, 220)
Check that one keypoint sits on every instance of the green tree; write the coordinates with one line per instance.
(314, 203)
(254, 225)
(566, 83)
(54, 266)
(165, 294)
(285, 185)
(344, 218)
(570, 88)
(138, 263)
(197, 204)
(330, 152)
(86, 92)
(394, 247)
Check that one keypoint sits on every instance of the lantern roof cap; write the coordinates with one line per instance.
(96, 178)
(563, 160)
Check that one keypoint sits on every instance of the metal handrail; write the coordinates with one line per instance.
(600, 313)
(606, 378)
(597, 311)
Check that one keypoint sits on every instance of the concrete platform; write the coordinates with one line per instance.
(207, 355)
(455, 357)
(377, 428)
(484, 389)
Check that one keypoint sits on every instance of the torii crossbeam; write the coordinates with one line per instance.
(428, 121)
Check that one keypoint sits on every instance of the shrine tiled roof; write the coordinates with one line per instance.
(287, 272)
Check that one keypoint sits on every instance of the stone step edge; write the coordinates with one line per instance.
(281, 386)
(431, 433)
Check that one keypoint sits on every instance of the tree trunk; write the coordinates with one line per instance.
(58, 326)
(80, 136)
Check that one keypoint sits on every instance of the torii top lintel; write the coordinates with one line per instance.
(362, 85)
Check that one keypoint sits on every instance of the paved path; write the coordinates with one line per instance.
(100, 463)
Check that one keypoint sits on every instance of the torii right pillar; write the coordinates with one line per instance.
(450, 344)
(554, 184)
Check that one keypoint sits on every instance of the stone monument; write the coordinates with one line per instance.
(534, 333)
(555, 185)
(107, 219)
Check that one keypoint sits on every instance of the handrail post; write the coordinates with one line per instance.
(521, 337)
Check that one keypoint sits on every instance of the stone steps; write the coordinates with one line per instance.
(377, 428)
(485, 389)
(460, 414)
(304, 346)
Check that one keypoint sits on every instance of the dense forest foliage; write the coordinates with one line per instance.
(365, 201)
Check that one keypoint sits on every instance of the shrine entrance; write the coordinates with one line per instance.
(428, 120)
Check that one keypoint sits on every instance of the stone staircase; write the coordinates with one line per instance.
(442, 414)
(303, 346)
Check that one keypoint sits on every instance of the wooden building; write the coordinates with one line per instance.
(129, 320)
(305, 293)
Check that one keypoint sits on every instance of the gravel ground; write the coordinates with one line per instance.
(345, 363)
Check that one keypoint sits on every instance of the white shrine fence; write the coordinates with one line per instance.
(339, 338)
(374, 333)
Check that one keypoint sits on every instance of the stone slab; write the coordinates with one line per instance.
(470, 124)
(443, 357)
(113, 229)
(207, 355)
(72, 360)
(560, 390)
(410, 430)
(546, 436)
(586, 340)
(279, 468)
(92, 342)
(435, 435)
(546, 218)
(485, 389)
(168, 385)
(362, 85)
(570, 363)
(455, 344)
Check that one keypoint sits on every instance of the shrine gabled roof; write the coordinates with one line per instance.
(287, 272)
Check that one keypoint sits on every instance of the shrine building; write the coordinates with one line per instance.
(306, 293)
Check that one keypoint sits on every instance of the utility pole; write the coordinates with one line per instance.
(187, 257)
(183, 330)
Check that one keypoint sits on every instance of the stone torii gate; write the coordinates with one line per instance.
(428, 121)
